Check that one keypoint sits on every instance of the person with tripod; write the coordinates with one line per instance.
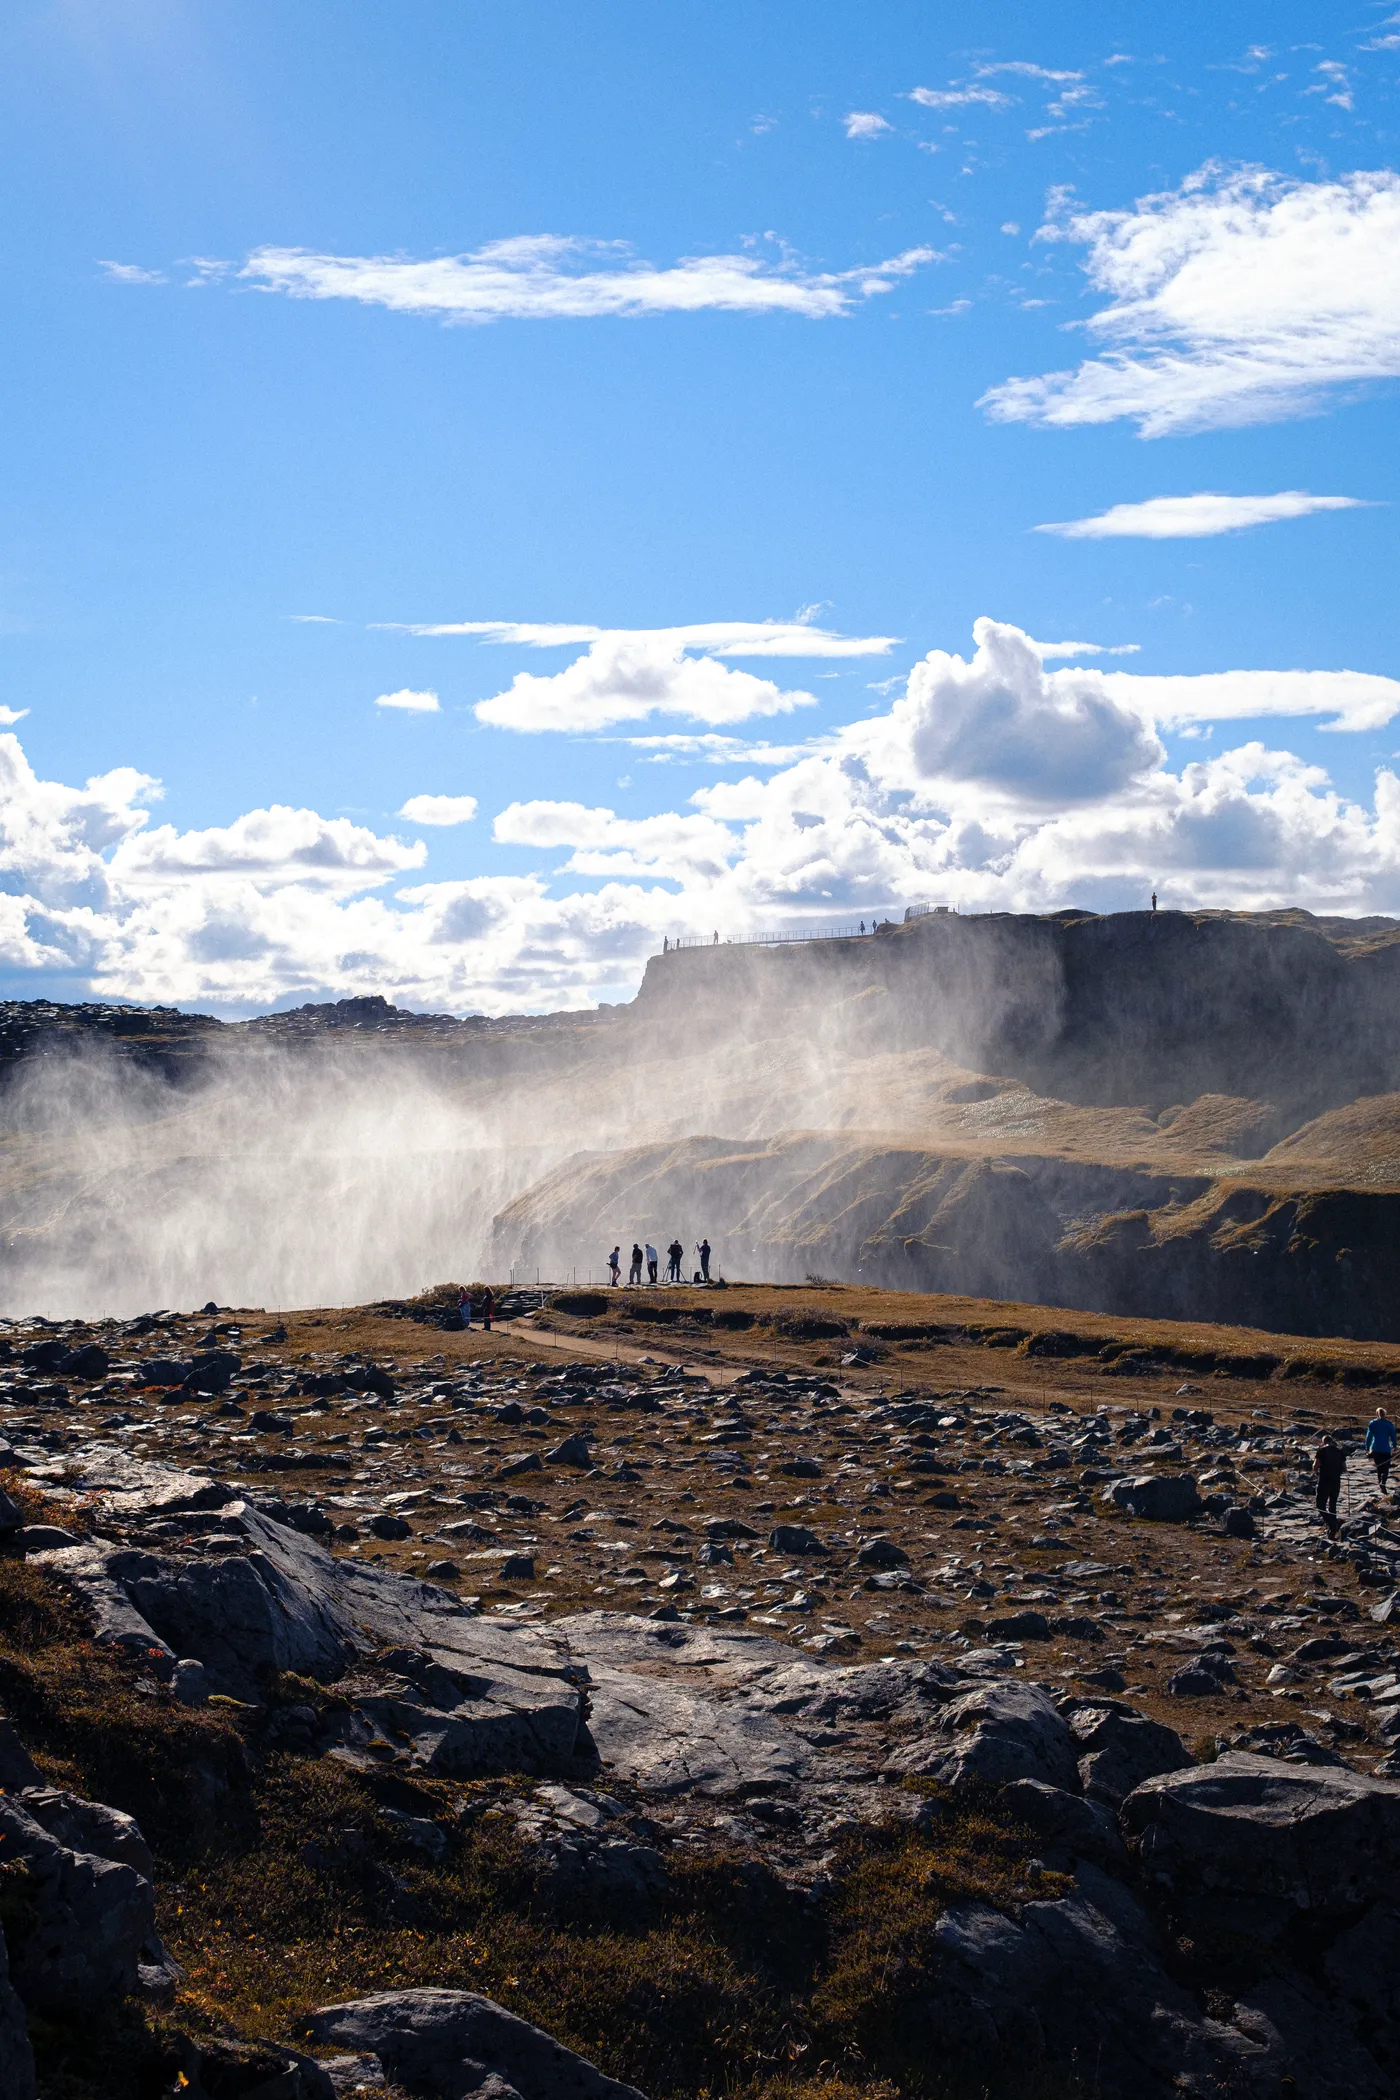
(1380, 1443)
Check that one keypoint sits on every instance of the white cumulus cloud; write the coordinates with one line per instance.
(865, 124)
(554, 277)
(992, 783)
(1199, 517)
(1241, 297)
(268, 849)
(625, 678)
(410, 702)
(1004, 722)
(439, 809)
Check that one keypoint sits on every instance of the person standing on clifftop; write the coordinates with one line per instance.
(1380, 1442)
(634, 1273)
(652, 1262)
(464, 1306)
(615, 1264)
(1329, 1464)
(704, 1252)
(488, 1306)
(675, 1255)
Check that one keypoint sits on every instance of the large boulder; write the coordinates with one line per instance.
(77, 1923)
(996, 1734)
(1292, 1837)
(1119, 1748)
(1163, 1498)
(454, 2045)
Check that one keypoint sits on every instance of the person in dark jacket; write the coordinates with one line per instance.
(1329, 1464)
(704, 1252)
(675, 1255)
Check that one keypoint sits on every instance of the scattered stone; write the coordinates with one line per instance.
(881, 1553)
(1161, 1498)
(385, 1525)
(189, 1683)
(794, 1538)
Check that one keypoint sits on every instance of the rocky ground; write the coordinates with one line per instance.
(775, 1692)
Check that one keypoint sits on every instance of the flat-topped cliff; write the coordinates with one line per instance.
(1185, 1114)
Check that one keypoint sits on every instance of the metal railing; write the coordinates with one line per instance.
(924, 911)
(773, 940)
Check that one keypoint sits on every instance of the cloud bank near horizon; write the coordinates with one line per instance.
(991, 782)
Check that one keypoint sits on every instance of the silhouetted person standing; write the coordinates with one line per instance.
(675, 1255)
(1329, 1464)
(615, 1265)
(704, 1252)
(488, 1306)
(634, 1273)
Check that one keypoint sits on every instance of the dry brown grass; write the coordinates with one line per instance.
(739, 1986)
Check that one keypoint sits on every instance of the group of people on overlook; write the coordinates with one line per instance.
(675, 1255)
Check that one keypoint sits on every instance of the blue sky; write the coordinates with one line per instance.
(327, 324)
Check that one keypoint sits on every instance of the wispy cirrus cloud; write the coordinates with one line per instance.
(408, 702)
(1028, 71)
(129, 273)
(708, 637)
(554, 277)
(1241, 297)
(1355, 700)
(1199, 517)
(960, 97)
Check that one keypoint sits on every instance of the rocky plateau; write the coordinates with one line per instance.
(807, 1692)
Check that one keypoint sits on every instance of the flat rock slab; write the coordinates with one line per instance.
(666, 1705)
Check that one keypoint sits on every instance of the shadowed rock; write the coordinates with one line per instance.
(454, 2045)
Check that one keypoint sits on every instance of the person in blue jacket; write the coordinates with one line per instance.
(1380, 1442)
